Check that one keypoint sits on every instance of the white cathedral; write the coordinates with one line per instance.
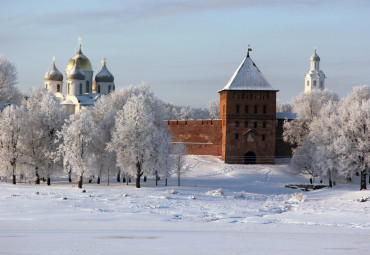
(82, 91)
(314, 78)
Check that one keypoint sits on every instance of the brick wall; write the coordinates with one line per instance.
(201, 137)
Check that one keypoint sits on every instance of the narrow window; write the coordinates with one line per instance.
(246, 124)
(242, 95)
(58, 88)
(263, 137)
(246, 109)
(308, 83)
(109, 88)
(255, 109)
(259, 95)
(87, 87)
(314, 83)
(234, 95)
(46, 86)
(251, 95)
(236, 123)
(255, 124)
(267, 94)
(264, 124)
(264, 109)
(237, 109)
(223, 109)
(68, 89)
(80, 88)
(236, 136)
(98, 88)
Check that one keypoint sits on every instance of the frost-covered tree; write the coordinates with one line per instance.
(12, 125)
(76, 145)
(104, 115)
(9, 93)
(284, 107)
(353, 143)
(307, 106)
(132, 139)
(138, 131)
(214, 109)
(179, 160)
(324, 132)
(303, 160)
(39, 145)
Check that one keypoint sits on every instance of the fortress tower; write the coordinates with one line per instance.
(248, 114)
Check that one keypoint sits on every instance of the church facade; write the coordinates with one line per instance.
(82, 89)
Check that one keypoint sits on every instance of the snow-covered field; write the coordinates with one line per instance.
(219, 209)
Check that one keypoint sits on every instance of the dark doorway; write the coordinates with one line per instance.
(250, 158)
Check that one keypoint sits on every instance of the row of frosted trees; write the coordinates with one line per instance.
(332, 136)
(122, 135)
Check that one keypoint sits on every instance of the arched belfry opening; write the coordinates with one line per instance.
(250, 158)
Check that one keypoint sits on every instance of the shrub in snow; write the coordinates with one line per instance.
(240, 195)
(297, 197)
(217, 192)
(171, 191)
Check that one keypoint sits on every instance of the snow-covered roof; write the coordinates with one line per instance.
(248, 77)
(286, 115)
(104, 75)
(85, 100)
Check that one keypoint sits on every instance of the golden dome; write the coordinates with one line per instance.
(82, 61)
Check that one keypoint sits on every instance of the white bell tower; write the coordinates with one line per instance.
(315, 78)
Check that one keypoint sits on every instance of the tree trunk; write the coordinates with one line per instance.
(166, 183)
(129, 179)
(178, 178)
(14, 179)
(80, 182)
(48, 181)
(37, 181)
(330, 180)
(98, 181)
(123, 178)
(69, 175)
(144, 178)
(118, 177)
(363, 180)
(138, 174)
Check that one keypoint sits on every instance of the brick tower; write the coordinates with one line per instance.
(248, 114)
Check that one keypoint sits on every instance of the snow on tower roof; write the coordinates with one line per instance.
(248, 77)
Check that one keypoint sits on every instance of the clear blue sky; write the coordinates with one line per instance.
(188, 49)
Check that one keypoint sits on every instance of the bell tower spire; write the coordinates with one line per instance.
(314, 78)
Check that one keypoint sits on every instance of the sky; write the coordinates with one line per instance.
(187, 50)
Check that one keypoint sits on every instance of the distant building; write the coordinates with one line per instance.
(249, 130)
(81, 90)
(314, 78)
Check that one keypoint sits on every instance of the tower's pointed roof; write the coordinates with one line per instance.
(248, 77)
(75, 73)
(104, 75)
(53, 74)
(315, 57)
(82, 61)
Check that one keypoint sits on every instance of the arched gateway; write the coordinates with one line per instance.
(250, 158)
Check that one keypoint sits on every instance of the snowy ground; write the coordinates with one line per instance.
(253, 213)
